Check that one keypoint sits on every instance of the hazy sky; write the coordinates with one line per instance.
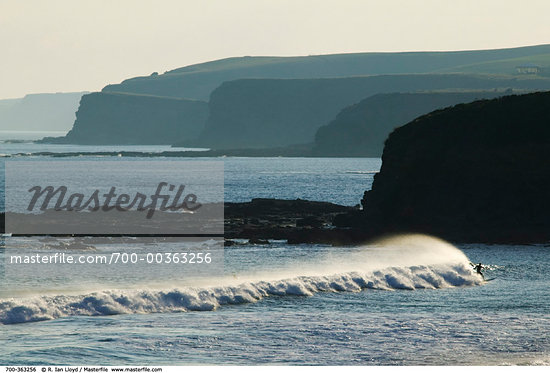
(76, 45)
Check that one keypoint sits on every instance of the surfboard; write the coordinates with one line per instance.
(490, 279)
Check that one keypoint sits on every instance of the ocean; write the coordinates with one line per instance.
(411, 300)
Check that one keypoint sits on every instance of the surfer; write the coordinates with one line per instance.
(478, 268)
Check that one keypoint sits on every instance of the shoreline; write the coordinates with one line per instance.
(302, 222)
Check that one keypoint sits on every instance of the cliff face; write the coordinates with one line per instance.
(475, 172)
(198, 81)
(256, 113)
(111, 118)
(361, 129)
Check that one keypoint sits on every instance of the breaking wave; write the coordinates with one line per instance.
(444, 266)
(112, 302)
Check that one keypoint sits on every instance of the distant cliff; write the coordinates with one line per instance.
(361, 129)
(260, 113)
(40, 112)
(118, 118)
(475, 172)
(199, 80)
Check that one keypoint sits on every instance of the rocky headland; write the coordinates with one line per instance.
(270, 113)
(475, 172)
(128, 119)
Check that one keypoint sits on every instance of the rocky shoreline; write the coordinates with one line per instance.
(297, 221)
(312, 222)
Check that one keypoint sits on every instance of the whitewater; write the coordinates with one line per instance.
(295, 304)
(405, 262)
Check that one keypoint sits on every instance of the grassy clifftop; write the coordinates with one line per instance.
(199, 80)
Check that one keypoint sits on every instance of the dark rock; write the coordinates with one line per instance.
(265, 207)
(262, 219)
(310, 221)
(475, 172)
(348, 219)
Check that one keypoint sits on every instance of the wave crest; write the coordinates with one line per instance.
(113, 302)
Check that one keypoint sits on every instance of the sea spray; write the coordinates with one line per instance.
(403, 250)
(404, 262)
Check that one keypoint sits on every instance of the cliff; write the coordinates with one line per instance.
(40, 112)
(361, 129)
(263, 113)
(475, 172)
(199, 80)
(118, 118)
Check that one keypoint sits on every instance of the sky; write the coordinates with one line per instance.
(68, 45)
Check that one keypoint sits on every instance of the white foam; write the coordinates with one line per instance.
(113, 302)
(406, 262)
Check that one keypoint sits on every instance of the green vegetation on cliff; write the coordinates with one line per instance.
(267, 102)
(198, 81)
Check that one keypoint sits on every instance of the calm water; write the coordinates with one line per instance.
(409, 302)
(337, 180)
